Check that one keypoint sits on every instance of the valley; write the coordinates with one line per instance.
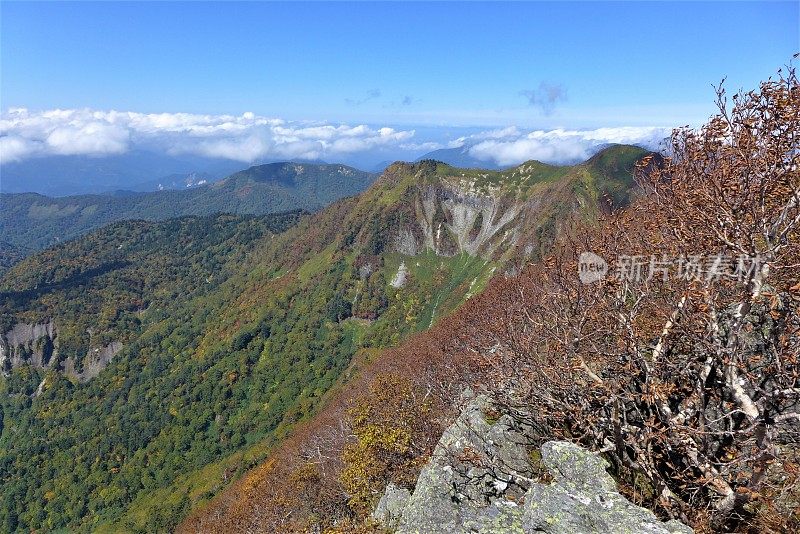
(399, 267)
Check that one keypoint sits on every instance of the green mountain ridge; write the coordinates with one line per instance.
(234, 328)
(30, 221)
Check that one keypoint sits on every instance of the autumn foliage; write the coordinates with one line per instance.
(390, 427)
(687, 380)
(688, 383)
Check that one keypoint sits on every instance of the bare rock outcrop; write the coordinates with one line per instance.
(452, 218)
(584, 498)
(390, 508)
(95, 361)
(29, 344)
(37, 345)
(481, 479)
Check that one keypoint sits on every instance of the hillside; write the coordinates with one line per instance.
(148, 365)
(683, 381)
(32, 221)
(9, 255)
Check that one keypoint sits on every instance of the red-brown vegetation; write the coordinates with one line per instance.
(688, 383)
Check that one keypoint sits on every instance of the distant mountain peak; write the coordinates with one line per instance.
(37, 221)
(459, 157)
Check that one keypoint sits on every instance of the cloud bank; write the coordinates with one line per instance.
(509, 146)
(247, 137)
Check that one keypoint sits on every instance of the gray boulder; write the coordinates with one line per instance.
(480, 479)
(470, 484)
(583, 498)
(390, 507)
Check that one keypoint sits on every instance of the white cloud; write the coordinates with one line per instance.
(427, 146)
(14, 148)
(557, 146)
(247, 137)
(497, 133)
(94, 137)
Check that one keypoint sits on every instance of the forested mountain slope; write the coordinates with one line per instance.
(30, 221)
(678, 366)
(229, 335)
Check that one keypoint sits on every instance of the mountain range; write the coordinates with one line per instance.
(163, 358)
(141, 170)
(137, 170)
(30, 221)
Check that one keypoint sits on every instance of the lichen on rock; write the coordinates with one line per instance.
(584, 498)
(480, 479)
(390, 508)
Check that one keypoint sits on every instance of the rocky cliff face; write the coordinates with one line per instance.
(37, 345)
(453, 218)
(29, 344)
(95, 361)
(483, 479)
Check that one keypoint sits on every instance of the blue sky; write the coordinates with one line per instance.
(439, 69)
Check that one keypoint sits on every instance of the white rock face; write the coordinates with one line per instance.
(95, 361)
(406, 243)
(468, 222)
(37, 345)
(399, 279)
(34, 344)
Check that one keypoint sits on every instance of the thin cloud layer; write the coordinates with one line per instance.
(372, 94)
(546, 96)
(511, 147)
(247, 137)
